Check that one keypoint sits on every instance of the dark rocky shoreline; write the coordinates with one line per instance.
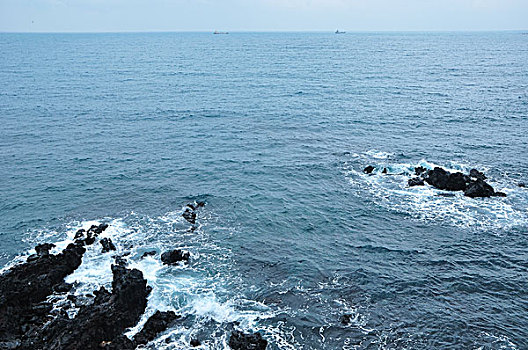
(28, 320)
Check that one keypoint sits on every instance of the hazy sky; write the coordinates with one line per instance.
(261, 15)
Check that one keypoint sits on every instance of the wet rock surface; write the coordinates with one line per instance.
(28, 320)
(24, 289)
(368, 169)
(107, 245)
(157, 323)
(243, 341)
(175, 256)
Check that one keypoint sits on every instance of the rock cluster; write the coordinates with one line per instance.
(473, 185)
(29, 321)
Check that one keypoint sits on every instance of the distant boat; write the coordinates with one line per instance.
(217, 32)
(338, 32)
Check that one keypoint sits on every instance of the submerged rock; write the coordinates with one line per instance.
(149, 253)
(195, 342)
(242, 341)
(174, 256)
(369, 169)
(346, 318)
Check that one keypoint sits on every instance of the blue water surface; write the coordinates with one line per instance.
(273, 130)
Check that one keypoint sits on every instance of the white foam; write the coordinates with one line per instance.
(427, 203)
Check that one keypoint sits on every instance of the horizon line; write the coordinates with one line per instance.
(266, 31)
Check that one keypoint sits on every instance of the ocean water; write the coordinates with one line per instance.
(273, 131)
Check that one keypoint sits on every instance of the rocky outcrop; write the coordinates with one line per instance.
(25, 287)
(189, 213)
(107, 245)
(242, 341)
(473, 185)
(156, 324)
(175, 256)
(88, 237)
(369, 169)
(99, 323)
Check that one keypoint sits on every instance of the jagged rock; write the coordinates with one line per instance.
(189, 215)
(149, 253)
(80, 233)
(101, 322)
(477, 174)
(369, 169)
(174, 256)
(419, 170)
(43, 249)
(91, 234)
(242, 341)
(479, 188)
(24, 286)
(195, 342)
(415, 181)
(107, 245)
(384, 171)
(157, 323)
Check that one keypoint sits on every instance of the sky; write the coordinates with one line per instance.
(261, 15)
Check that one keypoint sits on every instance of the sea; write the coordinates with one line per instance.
(273, 131)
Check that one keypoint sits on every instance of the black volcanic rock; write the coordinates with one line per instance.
(420, 170)
(195, 342)
(499, 194)
(477, 174)
(189, 215)
(43, 249)
(97, 324)
(369, 169)
(107, 245)
(521, 184)
(149, 253)
(457, 182)
(174, 256)
(91, 234)
(438, 178)
(415, 181)
(242, 341)
(479, 188)
(345, 319)
(24, 286)
(157, 323)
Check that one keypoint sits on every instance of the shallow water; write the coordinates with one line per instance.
(273, 131)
